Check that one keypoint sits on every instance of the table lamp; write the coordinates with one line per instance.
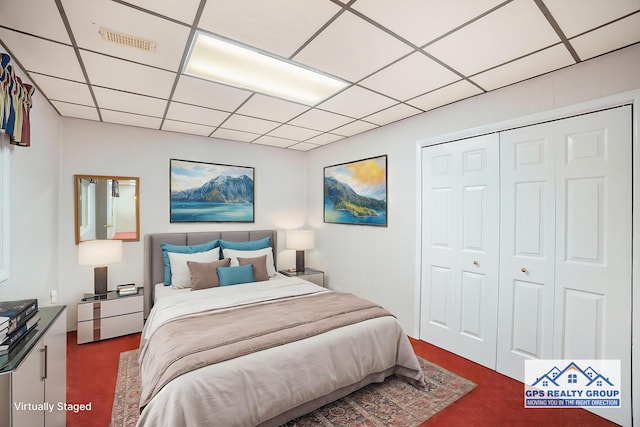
(300, 240)
(99, 253)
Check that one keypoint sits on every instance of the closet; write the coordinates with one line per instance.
(459, 307)
(526, 245)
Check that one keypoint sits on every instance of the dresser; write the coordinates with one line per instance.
(33, 376)
(107, 316)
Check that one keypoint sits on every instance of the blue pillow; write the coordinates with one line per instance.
(167, 247)
(228, 276)
(246, 246)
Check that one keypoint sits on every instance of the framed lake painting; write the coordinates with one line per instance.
(356, 192)
(210, 192)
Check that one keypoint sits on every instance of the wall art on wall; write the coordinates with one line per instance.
(356, 192)
(210, 192)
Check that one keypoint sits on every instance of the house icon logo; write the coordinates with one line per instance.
(572, 374)
(572, 383)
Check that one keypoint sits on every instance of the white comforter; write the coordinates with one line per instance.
(256, 388)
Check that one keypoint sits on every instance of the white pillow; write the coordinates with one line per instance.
(234, 254)
(180, 273)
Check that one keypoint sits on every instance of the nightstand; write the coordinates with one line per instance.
(310, 274)
(107, 316)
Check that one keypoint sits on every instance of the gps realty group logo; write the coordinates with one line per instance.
(579, 383)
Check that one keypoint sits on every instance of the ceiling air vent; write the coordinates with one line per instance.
(125, 39)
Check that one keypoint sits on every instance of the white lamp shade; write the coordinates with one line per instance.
(99, 252)
(299, 239)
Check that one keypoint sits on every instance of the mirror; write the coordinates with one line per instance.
(107, 207)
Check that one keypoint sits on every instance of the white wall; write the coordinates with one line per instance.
(381, 264)
(33, 199)
(105, 149)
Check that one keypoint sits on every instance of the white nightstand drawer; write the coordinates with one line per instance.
(110, 327)
(88, 311)
(122, 305)
(85, 331)
(121, 325)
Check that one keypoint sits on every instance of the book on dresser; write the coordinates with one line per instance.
(13, 338)
(14, 313)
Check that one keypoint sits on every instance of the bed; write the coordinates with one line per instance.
(258, 353)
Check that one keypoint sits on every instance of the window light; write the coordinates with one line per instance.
(218, 60)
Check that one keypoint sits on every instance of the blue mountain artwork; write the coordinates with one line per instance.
(222, 189)
(224, 199)
(339, 196)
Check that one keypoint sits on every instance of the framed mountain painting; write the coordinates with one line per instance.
(356, 192)
(210, 192)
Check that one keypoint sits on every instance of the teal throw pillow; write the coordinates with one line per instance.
(251, 245)
(228, 276)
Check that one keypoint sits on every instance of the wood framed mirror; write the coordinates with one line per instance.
(107, 207)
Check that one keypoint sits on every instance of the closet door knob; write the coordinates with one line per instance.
(476, 263)
(523, 269)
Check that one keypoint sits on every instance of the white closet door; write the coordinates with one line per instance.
(593, 243)
(565, 246)
(527, 248)
(460, 251)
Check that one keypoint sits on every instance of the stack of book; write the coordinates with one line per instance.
(17, 318)
(129, 289)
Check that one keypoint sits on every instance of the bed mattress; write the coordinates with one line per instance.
(274, 385)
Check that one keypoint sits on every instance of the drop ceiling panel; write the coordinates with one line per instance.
(351, 48)
(303, 146)
(325, 138)
(234, 135)
(249, 124)
(578, 16)
(274, 142)
(43, 56)
(130, 119)
(193, 114)
(183, 10)
(190, 128)
(619, 34)
(421, 21)
(276, 26)
(446, 95)
(411, 76)
(129, 102)
(266, 107)
(514, 30)
(295, 133)
(39, 17)
(357, 102)
(320, 120)
(86, 18)
(539, 63)
(63, 90)
(124, 75)
(354, 128)
(76, 111)
(208, 94)
(392, 114)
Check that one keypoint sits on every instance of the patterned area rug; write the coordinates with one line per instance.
(391, 403)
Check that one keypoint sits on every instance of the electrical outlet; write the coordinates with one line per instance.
(54, 296)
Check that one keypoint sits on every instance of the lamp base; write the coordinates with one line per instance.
(300, 261)
(100, 280)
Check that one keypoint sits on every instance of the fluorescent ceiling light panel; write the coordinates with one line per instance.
(220, 61)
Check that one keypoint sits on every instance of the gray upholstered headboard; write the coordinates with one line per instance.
(154, 263)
